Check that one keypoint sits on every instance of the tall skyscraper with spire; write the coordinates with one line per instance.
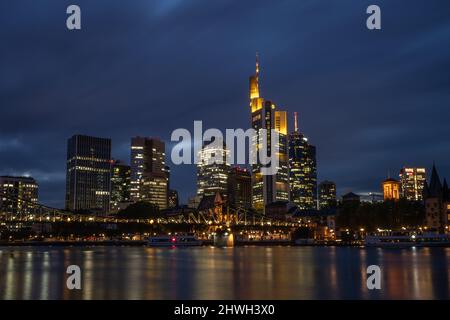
(303, 169)
(268, 188)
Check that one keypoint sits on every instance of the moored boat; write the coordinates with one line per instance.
(174, 241)
(407, 239)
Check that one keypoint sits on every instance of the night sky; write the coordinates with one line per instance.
(371, 101)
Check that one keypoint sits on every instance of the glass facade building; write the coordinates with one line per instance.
(268, 188)
(149, 179)
(18, 195)
(412, 183)
(88, 178)
(303, 170)
(120, 185)
(212, 169)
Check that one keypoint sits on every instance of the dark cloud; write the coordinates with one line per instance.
(370, 101)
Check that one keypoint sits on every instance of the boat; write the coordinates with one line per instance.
(405, 239)
(174, 241)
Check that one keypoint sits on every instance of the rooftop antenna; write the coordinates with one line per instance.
(296, 121)
(257, 65)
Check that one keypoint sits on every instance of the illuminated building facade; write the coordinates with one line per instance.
(268, 188)
(212, 169)
(88, 179)
(412, 182)
(436, 197)
(120, 185)
(149, 179)
(240, 188)
(18, 195)
(327, 195)
(391, 189)
(303, 170)
(173, 201)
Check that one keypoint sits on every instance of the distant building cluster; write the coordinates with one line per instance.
(294, 183)
(410, 185)
(98, 184)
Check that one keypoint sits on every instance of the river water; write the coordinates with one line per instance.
(224, 273)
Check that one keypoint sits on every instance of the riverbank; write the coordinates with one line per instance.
(136, 243)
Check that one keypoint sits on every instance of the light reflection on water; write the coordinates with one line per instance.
(224, 273)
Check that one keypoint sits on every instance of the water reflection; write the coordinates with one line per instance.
(224, 273)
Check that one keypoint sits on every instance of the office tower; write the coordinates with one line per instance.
(173, 201)
(437, 203)
(303, 170)
(391, 189)
(327, 195)
(240, 188)
(412, 182)
(281, 179)
(120, 185)
(148, 173)
(268, 188)
(212, 169)
(88, 180)
(18, 195)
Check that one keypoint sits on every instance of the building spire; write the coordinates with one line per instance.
(295, 121)
(254, 81)
(257, 66)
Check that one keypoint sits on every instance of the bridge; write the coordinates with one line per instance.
(216, 215)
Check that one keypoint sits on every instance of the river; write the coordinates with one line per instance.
(110, 272)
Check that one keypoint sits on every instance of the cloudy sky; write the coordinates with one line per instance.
(371, 101)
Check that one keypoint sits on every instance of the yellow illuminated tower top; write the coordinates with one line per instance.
(255, 100)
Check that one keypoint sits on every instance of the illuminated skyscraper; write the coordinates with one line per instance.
(212, 176)
(412, 181)
(18, 195)
(240, 188)
(88, 180)
(391, 189)
(327, 195)
(149, 178)
(120, 185)
(303, 170)
(268, 188)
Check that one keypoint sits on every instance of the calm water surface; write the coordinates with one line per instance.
(224, 273)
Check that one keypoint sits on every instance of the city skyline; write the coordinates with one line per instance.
(402, 114)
